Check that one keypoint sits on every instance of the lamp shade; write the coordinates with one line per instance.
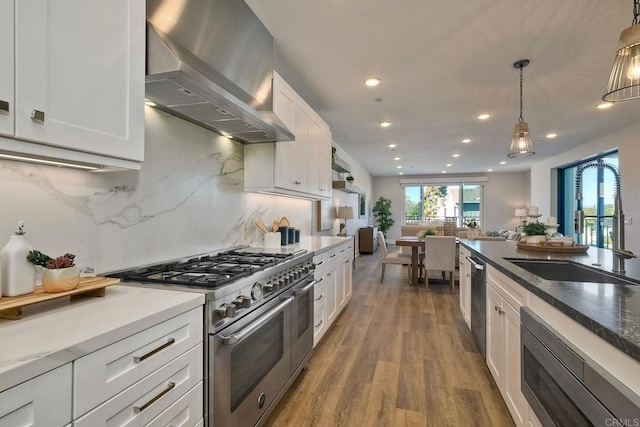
(521, 212)
(345, 212)
(624, 80)
(521, 145)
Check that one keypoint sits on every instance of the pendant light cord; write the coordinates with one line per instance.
(636, 11)
(521, 119)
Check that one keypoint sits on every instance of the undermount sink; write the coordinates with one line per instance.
(567, 271)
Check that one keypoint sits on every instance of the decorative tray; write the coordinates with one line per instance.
(11, 307)
(556, 247)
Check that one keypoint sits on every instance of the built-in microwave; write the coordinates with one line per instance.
(565, 387)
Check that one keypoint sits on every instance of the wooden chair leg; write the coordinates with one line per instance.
(426, 278)
(382, 276)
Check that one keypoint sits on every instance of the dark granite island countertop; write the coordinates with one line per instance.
(611, 311)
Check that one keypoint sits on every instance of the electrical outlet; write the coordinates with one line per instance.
(628, 221)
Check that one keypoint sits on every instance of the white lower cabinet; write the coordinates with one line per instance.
(333, 288)
(504, 299)
(187, 411)
(42, 401)
(465, 285)
(151, 396)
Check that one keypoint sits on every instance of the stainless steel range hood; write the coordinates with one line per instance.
(211, 62)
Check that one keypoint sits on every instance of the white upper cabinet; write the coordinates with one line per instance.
(299, 168)
(6, 67)
(79, 78)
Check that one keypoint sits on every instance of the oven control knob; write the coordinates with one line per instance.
(283, 281)
(242, 302)
(226, 310)
(268, 287)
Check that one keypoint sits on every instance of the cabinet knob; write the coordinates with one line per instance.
(4, 106)
(37, 115)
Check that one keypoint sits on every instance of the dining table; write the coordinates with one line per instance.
(414, 243)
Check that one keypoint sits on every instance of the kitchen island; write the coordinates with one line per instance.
(600, 322)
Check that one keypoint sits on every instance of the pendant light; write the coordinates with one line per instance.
(521, 145)
(624, 80)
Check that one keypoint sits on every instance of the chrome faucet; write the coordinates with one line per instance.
(619, 252)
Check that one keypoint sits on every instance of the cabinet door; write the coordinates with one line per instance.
(340, 285)
(495, 346)
(42, 401)
(331, 305)
(324, 162)
(513, 396)
(301, 128)
(346, 269)
(315, 156)
(7, 105)
(80, 70)
(465, 290)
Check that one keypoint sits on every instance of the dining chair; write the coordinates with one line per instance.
(391, 258)
(440, 255)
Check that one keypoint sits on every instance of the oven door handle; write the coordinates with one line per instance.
(242, 334)
(305, 289)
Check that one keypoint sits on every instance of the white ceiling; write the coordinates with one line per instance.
(444, 62)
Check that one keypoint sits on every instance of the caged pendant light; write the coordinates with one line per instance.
(624, 80)
(521, 145)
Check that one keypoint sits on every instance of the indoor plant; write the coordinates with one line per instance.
(382, 214)
(350, 179)
(535, 231)
(58, 274)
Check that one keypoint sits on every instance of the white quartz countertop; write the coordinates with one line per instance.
(319, 244)
(53, 334)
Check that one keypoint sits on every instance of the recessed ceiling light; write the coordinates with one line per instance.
(551, 135)
(150, 103)
(398, 167)
(456, 155)
(396, 158)
(466, 140)
(372, 81)
(448, 165)
(400, 173)
(604, 105)
(392, 145)
(385, 124)
(489, 170)
(484, 116)
(444, 171)
(503, 162)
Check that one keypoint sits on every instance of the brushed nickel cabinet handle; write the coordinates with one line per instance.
(320, 297)
(138, 409)
(496, 308)
(139, 359)
(319, 324)
(37, 115)
(500, 311)
(4, 106)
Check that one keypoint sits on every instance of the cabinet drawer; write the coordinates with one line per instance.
(511, 291)
(186, 412)
(104, 373)
(324, 259)
(320, 293)
(42, 401)
(146, 399)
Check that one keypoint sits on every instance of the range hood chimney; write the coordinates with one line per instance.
(211, 62)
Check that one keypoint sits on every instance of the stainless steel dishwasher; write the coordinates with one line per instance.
(478, 303)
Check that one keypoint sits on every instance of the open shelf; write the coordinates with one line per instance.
(345, 186)
(340, 165)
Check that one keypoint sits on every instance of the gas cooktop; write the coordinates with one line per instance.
(210, 271)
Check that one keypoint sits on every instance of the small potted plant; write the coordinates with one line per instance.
(536, 232)
(472, 225)
(58, 274)
(350, 179)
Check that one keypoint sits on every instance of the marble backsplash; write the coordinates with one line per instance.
(187, 199)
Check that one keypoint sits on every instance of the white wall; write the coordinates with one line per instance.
(543, 174)
(503, 193)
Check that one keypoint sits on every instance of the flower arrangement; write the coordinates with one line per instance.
(471, 223)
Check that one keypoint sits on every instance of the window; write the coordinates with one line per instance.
(597, 201)
(439, 201)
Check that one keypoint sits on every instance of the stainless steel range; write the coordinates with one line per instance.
(258, 324)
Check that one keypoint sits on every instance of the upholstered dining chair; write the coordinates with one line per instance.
(392, 258)
(440, 255)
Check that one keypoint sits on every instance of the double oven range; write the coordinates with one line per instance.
(258, 324)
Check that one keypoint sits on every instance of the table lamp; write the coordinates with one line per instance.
(522, 213)
(344, 212)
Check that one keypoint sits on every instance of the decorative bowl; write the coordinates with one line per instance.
(60, 279)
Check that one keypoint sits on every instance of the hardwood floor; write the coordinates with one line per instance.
(398, 355)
